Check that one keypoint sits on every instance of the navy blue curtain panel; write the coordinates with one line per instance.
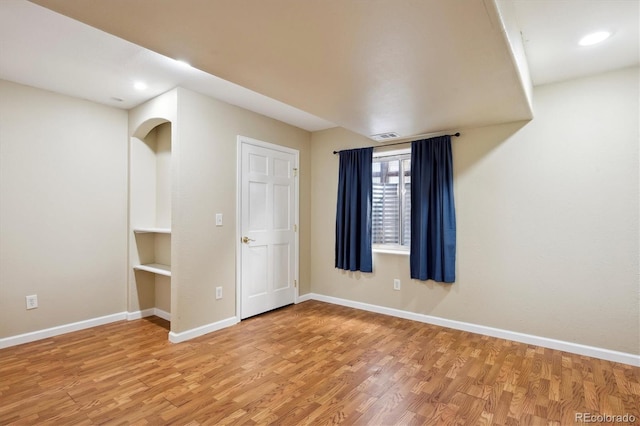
(433, 215)
(353, 213)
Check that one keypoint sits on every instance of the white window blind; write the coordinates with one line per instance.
(392, 201)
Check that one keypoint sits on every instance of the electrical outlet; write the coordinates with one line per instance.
(218, 293)
(32, 301)
(218, 219)
(396, 284)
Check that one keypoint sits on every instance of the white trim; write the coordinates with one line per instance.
(296, 255)
(33, 336)
(140, 314)
(200, 331)
(240, 140)
(162, 314)
(304, 298)
(238, 225)
(60, 329)
(381, 248)
(575, 348)
(148, 313)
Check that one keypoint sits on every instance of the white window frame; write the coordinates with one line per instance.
(394, 248)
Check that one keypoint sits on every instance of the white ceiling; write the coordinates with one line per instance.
(552, 28)
(407, 66)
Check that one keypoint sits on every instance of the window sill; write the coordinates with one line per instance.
(391, 251)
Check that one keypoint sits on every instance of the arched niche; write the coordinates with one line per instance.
(150, 218)
(146, 126)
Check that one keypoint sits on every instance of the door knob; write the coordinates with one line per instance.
(246, 240)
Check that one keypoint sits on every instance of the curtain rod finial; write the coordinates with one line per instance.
(457, 134)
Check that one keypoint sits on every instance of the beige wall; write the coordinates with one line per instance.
(547, 221)
(203, 255)
(203, 182)
(64, 206)
(63, 209)
(547, 214)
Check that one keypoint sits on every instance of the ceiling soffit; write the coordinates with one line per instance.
(411, 67)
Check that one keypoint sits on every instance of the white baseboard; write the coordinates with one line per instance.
(304, 298)
(199, 331)
(81, 325)
(140, 314)
(576, 348)
(61, 329)
(162, 314)
(148, 313)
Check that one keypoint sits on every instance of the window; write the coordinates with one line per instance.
(391, 227)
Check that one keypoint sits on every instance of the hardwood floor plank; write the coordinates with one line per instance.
(312, 363)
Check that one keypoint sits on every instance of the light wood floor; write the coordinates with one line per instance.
(313, 363)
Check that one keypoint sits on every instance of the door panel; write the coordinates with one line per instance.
(258, 164)
(281, 168)
(257, 206)
(256, 277)
(281, 256)
(267, 214)
(281, 207)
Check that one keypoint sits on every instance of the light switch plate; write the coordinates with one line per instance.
(218, 219)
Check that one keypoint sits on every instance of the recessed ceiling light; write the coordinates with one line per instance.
(140, 85)
(594, 38)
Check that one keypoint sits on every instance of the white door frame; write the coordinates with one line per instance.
(243, 140)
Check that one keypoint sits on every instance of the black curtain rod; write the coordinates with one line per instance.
(457, 134)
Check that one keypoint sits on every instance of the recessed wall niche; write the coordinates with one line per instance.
(150, 221)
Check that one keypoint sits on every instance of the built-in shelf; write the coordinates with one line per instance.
(155, 268)
(152, 230)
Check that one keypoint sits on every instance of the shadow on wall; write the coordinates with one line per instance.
(475, 144)
(471, 176)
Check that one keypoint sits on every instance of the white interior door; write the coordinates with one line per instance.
(267, 227)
